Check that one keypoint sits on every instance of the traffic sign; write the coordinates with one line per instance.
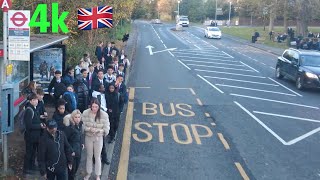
(19, 35)
(219, 11)
(5, 5)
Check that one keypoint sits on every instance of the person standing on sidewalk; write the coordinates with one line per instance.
(113, 98)
(96, 126)
(74, 133)
(55, 153)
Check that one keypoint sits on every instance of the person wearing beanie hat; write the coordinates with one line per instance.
(55, 153)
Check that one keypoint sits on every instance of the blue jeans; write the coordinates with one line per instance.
(60, 175)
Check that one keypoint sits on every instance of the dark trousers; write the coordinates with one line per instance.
(104, 151)
(30, 156)
(114, 124)
(60, 175)
(75, 166)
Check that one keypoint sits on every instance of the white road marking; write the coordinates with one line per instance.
(197, 46)
(210, 59)
(261, 123)
(184, 65)
(285, 87)
(235, 69)
(197, 50)
(249, 66)
(263, 63)
(161, 41)
(214, 46)
(219, 72)
(165, 46)
(171, 53)
(285, 116)
(227, 54)
(253, 89)
(271, 100)
(303, 136)
(206, 62)
(189, 41)
(238, 80)
(210, 84)
(273, 68)
(201, 53)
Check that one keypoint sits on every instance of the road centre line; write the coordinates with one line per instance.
(285, 87)
(261, 123)
(249, 66)
(206, 62)
(125, 148)
(271, 100)
(199, 65)
(223, 141)
(220, 72)
(239, 80)
(210, 84)
(227, 54)
(210, 59)
(200, 53)
(197, 47)
(199, 102)
(165, 46)
(184, 64)
(202, 50)
(161, 41)
(253, 89)
(285, 116)
(241, 171)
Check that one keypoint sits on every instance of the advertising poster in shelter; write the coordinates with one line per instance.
(45, 63)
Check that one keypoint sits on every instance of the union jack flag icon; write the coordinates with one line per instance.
(94, 18)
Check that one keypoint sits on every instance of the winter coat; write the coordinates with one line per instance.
(74, 134)
(71, 100)
(82, 92)
(68, 80)
(59, 119)
(102, 125)
(54, 152)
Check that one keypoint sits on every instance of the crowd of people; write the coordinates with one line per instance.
(89, 100)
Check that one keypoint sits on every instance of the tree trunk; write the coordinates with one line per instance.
(271, 20)
(285, 15)
(302, 19)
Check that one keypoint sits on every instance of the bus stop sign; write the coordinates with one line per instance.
(5, 5)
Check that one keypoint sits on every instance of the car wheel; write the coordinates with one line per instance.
(299, 83)
(278, 73)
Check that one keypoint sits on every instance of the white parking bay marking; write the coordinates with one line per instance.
(235, 69)
(238, 80)
(184, 64)
(285, 116)
(206, 62)
(261, 123)
(285, 87)
(249, 66)
(220, 72)
(201, 53)
(271, 100)
(215, 87)
(197, 46)
(253, 89)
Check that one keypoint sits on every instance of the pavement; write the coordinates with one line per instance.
(212, 109)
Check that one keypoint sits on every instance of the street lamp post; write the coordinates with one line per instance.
(215, 14)
(229, 13)
(179, 8)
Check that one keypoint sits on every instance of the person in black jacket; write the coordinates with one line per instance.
(99, 51)
(113, 103)
(58, 85)
(74, 133)
(32, 133)
(122, 89)
(55, 153)
(60, 113)
(82, 91)
(40, 107)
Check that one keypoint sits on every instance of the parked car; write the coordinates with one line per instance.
(183, 22)
(302, 66)
(212, 32)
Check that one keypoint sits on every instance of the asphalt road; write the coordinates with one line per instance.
(212, 109)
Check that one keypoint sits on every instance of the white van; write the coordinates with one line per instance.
(183, 22)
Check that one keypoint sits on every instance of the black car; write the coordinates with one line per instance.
(302, 66)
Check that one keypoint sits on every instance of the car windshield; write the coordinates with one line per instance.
(183, 19)
(310, 60)
(214, 29)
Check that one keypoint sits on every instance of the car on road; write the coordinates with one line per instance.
(156, 21)
(212, 32)
(301, 66)
(184, 22)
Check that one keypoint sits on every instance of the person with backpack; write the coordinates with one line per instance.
(33, 128)
(71, 99)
